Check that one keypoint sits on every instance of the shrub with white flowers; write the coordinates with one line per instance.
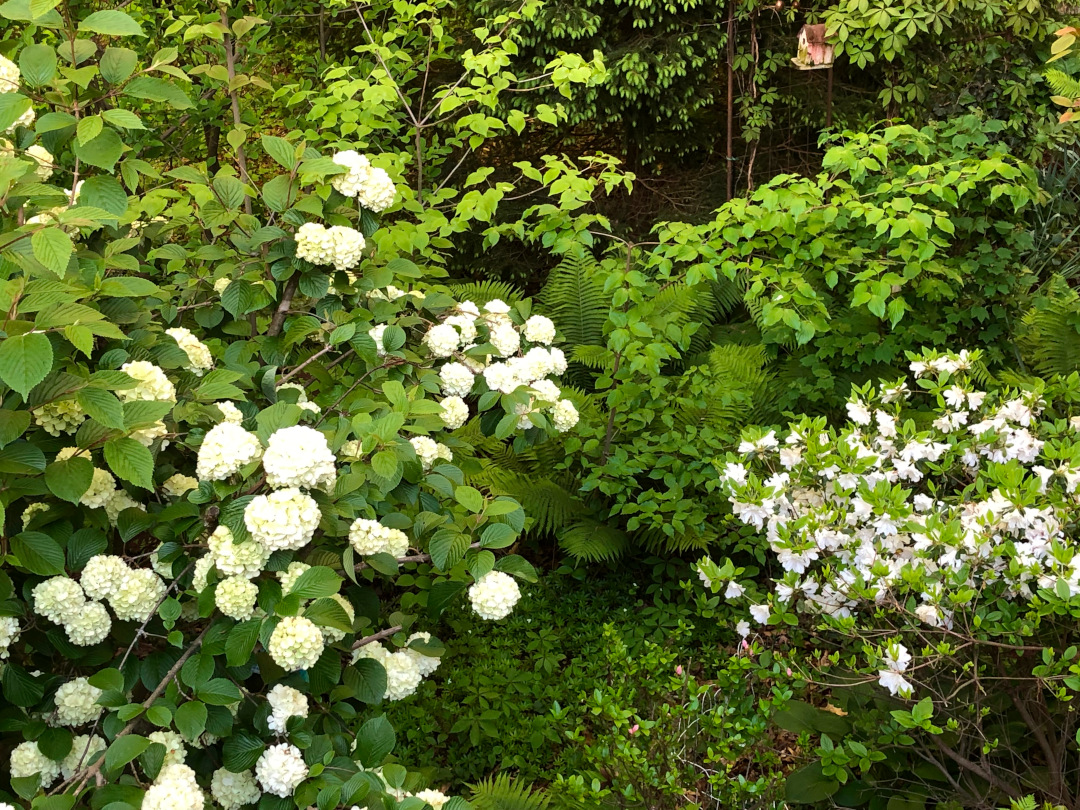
(235, 493)
(930, 541)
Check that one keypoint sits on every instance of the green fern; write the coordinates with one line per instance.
(593, 540)
(1062, 83)
(574, 299)
(505, 793)
(1051, 339)
(481, 292)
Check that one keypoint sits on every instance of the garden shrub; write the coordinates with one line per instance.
(924, 579)
(231, 505)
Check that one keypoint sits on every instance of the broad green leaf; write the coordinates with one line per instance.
(70, 478)
(38, 553)
(317, 582)
(103, 151)
(123, 750)
(190, 719)
(374, 742)
(37, 64)
(130, 461)
(117, 64)
(111, 23)
(25, 360)
(53, 248)
(103, 406)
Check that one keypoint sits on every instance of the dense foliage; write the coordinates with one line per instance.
(380, 384)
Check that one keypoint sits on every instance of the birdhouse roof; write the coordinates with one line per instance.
(814, 34)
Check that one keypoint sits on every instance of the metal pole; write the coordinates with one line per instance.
(828, 107)
(730, 154)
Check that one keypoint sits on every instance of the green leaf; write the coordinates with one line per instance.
(809, 785)
(190, 719)
(470, 498)
(241, 751)
(103, 406)
(12, 108)
(83, 545)
(447, 549)
(516, 566)
(367, 680)
(151, 89)
(241, 642)
(328, 612)
(37, 64)
(12, 425)
(69, 479)
(103, 151)
(497, 535)
(219, 692)
(385, 463)
(125, 119)
(111, 23)
(123, 750)
(38, 553)
(20, 688)
(107, 679)
(53, 248)
(440, 596)
(130, 461)
(117, 64)
(106, 193)
(375, 742)
(317, 582)
(280, 150)
(88, 128)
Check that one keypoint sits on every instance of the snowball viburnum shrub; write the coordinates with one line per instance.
(189, 532)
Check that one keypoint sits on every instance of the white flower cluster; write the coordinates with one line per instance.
(288, 577)
(235, 597)
(523, 367)
(285, 702)
(236, 559)
(873, 512)
(455, 412)
(372, 186)
(27, 760)
(295, 644)
(281, 769)
(133, 594)
(174, 789)
(224, 450)
(285, 519)
(427, 664)
(371, 537)
(61, 600)
(229, 412)
(9, 631)
(403, 674)
(59, 416)
(176, 485)
(199, 358)
(9, 75)
(234, 790)
(175, 752)
(76, 702)
(152, 383)
(84, 752)
(299, 456)
(494, 595)
(337, 245)
(33, 509)
(429, 451)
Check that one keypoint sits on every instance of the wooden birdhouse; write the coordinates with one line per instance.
(814, 52)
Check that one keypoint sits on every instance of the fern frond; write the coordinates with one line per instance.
(1062, 83)
(594, 357)
(591, 540)
(503, 792)
(1051, 337)
(574, 299)
(481, 292)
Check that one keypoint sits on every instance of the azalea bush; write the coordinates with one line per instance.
(928, 549)
(234, 502)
